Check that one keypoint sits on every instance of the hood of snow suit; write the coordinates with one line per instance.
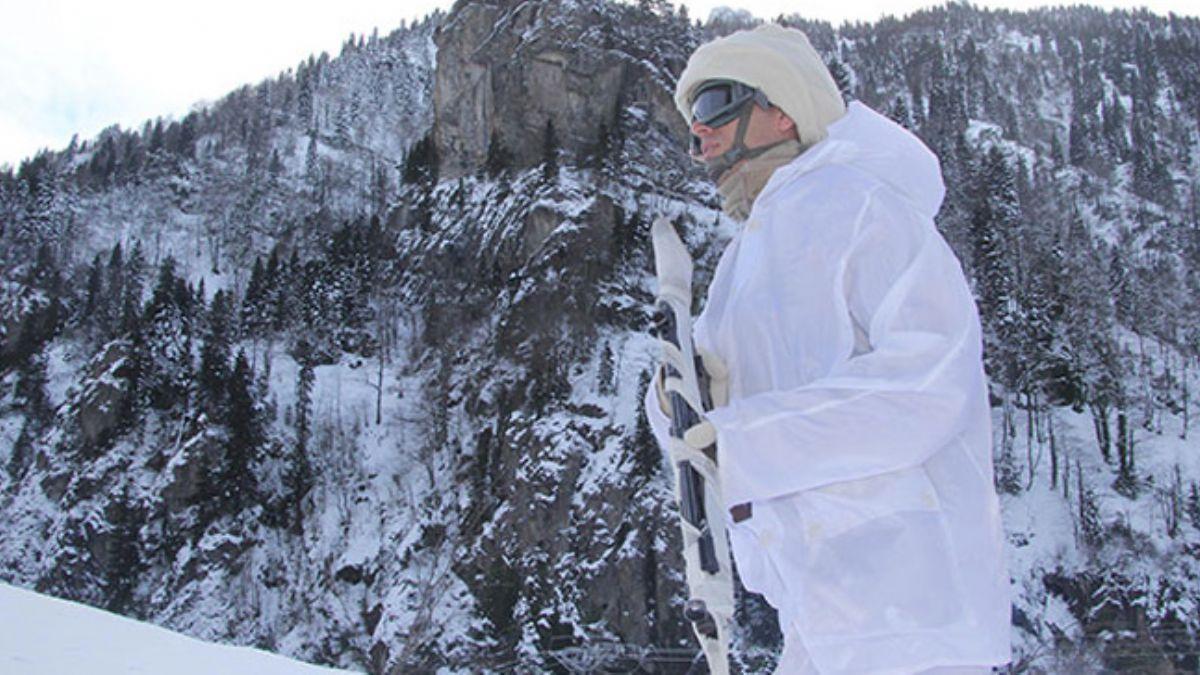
(865, 141)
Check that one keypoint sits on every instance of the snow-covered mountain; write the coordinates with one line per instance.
(347, 366)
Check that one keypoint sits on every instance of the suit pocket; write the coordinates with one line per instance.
(873, 557)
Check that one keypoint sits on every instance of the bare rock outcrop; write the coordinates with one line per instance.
(507, 69)
(105, 392)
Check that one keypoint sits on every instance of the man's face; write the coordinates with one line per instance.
(765, 126)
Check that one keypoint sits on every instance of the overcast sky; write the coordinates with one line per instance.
(78, 66)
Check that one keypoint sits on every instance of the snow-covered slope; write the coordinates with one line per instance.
(40, 635)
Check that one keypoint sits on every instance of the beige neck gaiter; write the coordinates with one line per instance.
(740, 187)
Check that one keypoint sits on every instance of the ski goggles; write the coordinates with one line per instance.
(719, 102)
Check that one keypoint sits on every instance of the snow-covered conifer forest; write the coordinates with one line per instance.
(347, 365)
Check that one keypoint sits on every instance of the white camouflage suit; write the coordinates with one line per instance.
(858, 426)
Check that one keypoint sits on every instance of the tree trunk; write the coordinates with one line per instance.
(1053, 452)
(1100, 422)
(1006, 426)
(1029, 432)
(1066, 479)
(379, 393)
(1129, 448)
(1147, 386)
(1123, 463)
(1175, 504)
(1186, 402)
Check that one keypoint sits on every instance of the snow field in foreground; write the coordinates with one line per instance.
(40, 635)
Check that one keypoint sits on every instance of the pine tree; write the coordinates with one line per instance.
(899, 113)
(21, 457)
(1091, 528)
(185, 143)
(626, 230)
(155, 143)
(1147, 163)
(1122, 287)
(133, 280)
(168, 340)
(124, 564)
(42, 320)
(288, 291)
(994, 220)
(381, 188)
(420, 163)
(1193, 505)
(312, 162)
(298, 479)
(1081, 135)
(947, 118)
(606, 377)
(1126, 482)
(304, 99)
(31, 397)
(255, 316)
(647, 459)
(275, 168)
(213, 375)
(602, 149)
(499, 159)
(650, 571)
(89, 317)
(238, 482)
(1007, 477)
(342, 124)
(1089, 323)
(114, 284)
(1114, 128)
(841, 76)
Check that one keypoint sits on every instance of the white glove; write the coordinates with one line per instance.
(718, 383)
(703, 434)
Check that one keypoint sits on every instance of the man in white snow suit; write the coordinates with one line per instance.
(855, 450)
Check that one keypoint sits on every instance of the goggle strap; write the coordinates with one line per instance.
(739, 151)
(730, 157)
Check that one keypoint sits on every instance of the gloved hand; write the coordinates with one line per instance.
(715, 379)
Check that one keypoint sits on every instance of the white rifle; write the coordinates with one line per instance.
(705, 547)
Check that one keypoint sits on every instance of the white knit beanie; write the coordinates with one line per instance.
(778, 61)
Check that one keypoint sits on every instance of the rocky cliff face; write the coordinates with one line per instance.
(506, 70)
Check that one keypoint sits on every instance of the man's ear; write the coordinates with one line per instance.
(783, 123)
